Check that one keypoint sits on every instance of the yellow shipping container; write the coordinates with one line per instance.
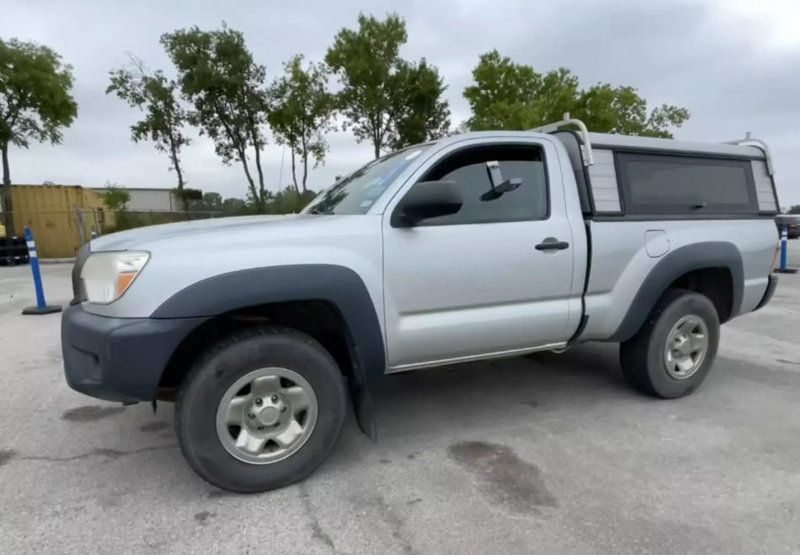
(51, 213)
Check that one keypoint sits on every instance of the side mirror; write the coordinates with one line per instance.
(426, 199)
(500, 186)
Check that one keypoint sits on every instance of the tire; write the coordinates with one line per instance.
(644, 358)
(201, 423)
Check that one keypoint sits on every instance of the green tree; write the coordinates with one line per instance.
(507, 95)
(212, 202)
(380, 91)
(794, 209)
(289, 201)
(421, 113)
(609, 109)
(35, 104)
(234, 207)
(301, 114)
(218, 75)
(164, 117)
(116, 198)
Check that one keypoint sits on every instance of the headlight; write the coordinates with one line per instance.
(106, 275)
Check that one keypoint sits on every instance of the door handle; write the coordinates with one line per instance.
(552, 244)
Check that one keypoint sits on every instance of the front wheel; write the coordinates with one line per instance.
(261, 410)
(673, 352)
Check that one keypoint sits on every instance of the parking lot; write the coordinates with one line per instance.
(548, 453)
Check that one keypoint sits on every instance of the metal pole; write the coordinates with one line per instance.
(280, 175)
(41, 306)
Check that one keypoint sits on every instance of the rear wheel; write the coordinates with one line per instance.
(261, 410)
(674, 350)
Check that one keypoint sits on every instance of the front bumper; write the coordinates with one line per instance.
(119, 359)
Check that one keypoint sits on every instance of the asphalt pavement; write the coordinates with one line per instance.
(543, 454)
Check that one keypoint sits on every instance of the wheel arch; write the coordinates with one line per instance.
(714, 268)
(283, 294)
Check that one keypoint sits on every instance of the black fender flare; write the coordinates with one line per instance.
(337, 285)
(697, 256)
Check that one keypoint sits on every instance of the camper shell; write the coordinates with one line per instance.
(597, 160)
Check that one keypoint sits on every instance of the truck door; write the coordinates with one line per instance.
(494, 278)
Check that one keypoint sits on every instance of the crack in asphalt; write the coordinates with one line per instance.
(107, 453)
(316, 528)
(394, 522)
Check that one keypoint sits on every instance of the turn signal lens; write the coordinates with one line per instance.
(123, 281)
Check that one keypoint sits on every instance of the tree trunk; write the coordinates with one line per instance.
(262, 197)
(176, 163)
(377, 133)
(240, 146)
(294, 171)
(305, 165)
(250, 182)
(376, 141)
(6, 203)
(180, 175)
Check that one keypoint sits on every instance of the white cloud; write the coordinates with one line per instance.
(734, 63)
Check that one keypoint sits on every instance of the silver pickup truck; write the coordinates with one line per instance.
(264, 330)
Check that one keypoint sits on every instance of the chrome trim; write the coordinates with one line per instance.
(583, 132)
(749, 140)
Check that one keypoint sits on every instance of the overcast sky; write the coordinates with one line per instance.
(734, 63)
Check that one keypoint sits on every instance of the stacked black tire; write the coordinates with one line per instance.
(13, 251)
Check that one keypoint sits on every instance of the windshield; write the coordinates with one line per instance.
(356, 193)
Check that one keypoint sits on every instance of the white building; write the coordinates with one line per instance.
(150, 199)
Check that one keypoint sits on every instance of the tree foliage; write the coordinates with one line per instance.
(507, 95)
(794, 209)
(234, 207)
(420, 111)
(302, 112)
(211, 202)
(218, 75)
(289, 201)
(164, 117)
(116, 198)
(380, 91)
(35, 104)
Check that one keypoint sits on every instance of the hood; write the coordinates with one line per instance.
(216, 229)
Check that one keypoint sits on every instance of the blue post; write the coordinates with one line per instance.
(784, 260)
(784, 247)
(41, 306)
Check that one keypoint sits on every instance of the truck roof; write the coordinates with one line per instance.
(613, 141)
(608, 140)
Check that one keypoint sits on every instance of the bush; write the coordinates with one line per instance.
(124, 219)
(210, 205)
(289, 201)
(116, 198)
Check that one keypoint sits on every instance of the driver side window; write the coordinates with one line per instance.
(468, 170)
